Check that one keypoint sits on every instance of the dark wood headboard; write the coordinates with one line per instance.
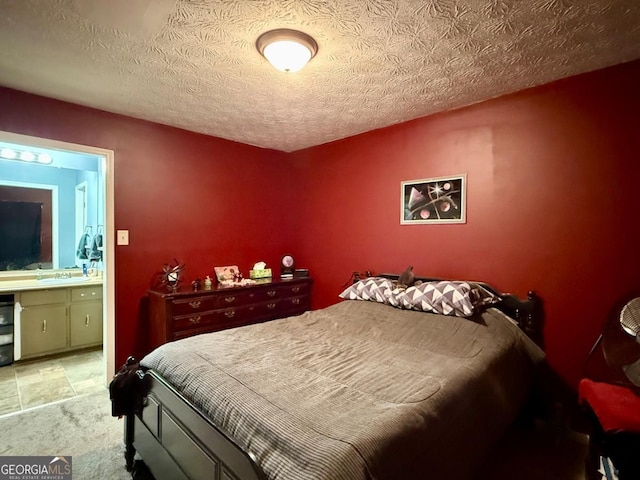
(527, 312)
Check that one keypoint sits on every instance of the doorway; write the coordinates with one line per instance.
(106, 162)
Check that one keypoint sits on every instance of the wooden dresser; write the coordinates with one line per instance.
(176, 315)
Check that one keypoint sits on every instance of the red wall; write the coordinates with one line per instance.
(552, 176)
(552, 196)
(203, 200)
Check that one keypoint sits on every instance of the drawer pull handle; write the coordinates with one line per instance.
(195, 304)
(295, 301)
(229, 299)
(86, 320)
(295, 289)
(271, 306)
(229, 313)
(195, 319)
(271, 293)
(44, 326)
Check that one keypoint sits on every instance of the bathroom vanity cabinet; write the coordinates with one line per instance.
(60, 319)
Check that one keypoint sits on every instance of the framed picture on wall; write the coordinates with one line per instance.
(433, 200)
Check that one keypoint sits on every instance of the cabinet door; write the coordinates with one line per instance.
(43, 330)
(86, 323)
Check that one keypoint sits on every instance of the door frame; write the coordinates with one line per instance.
(108, 286)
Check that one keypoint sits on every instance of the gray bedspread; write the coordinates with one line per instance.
(359, 390)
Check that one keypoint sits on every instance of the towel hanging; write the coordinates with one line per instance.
(95, 251)
(81, 251)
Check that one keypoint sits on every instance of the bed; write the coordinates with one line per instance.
(358, 390)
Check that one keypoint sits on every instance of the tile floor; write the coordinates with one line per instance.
(33, 383)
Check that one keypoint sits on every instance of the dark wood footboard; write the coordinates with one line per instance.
(176, 441)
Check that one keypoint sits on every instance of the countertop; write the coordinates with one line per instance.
(19, 285)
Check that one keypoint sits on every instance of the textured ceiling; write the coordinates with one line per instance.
(193, 63)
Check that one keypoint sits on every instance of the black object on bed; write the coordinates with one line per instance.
(359, 390)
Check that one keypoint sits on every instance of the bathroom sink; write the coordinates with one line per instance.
(59, 281)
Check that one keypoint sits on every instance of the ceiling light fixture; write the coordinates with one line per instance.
(287, 50)
(8, 153)
(25, 156)
(45, 159)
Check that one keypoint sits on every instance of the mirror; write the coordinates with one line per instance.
(46, 209)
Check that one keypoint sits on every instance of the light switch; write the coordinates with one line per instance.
(123, 237)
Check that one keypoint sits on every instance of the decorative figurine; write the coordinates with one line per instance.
(207, 283)
(172, 274)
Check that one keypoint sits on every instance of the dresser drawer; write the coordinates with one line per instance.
(234, 297)
(294, 289)
(281, 291)
(196, 331)
(293, 305)
(270, 293)
(194, 320)
(186, 306)
(212, 322)
(214, 318)
(235, 315)
(267, 309)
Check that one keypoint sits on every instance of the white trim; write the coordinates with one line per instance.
(109, 337)
(17, 330)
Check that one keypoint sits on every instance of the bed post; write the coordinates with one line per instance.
(528, 313)
(534, 320)
(129, 449)
(127, 392)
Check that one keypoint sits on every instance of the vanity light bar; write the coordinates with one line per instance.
(25, 156)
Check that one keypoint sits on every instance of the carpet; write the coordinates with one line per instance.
(80, 427)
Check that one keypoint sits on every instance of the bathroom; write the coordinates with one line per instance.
(52, 215)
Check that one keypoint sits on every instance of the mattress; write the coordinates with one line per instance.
(358, 390)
